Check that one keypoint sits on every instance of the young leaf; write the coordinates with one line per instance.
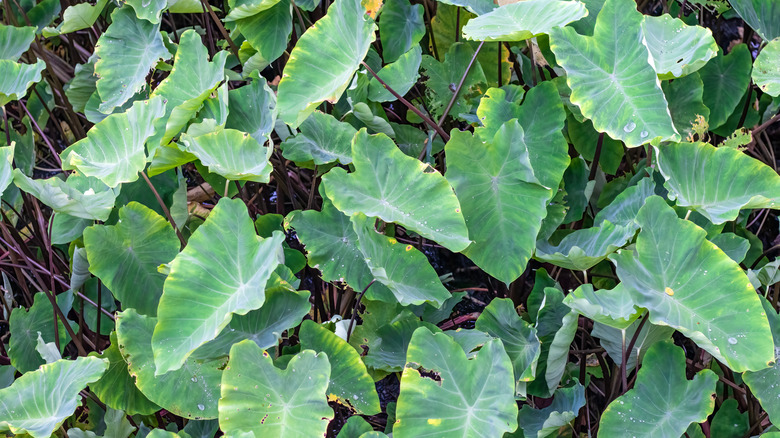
(257, 397)
(682, 279)
(523, 20)
(663, 402)
(224, 257)
(677, 49)
(610, 81)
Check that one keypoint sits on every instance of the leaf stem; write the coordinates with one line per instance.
(460, 85)
(354, 309)
(594, 165)
(164, 209)
(233, 47)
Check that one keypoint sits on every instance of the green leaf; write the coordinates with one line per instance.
(725, 181)
(233, 154)
(323, 139)
(399, 75)
(322, 63)
(6, 166)
(149, 10)
(586, 247)
(268, 34)
(523, 20)
(191, 391)
(114, 151)
(503, 202)
(663, 402)
(677, 49)
(79, 196)
(728, 422)
(116, 387)
(247, 8)
(252, 109)
(765, 384)
(25, 325)
(401, 27)
(549, 420)
(77, 17)
(355, 426)
(82, 86)
(761, 15)
(403, 193)
(350, 385)
(257, 397)
(681, 278)
(38, 402)
(613, 307)
(15, 40)
(685, 96)
(444, 77)
(615, 340)
(476, 6)
(234, 272)
(189, 84)
(766, 69)
(16, 78)
(610, 82)
(402, 268)
(500, 320)
(127, 50)
(125, 256)
(468, 398)
(725, 79)
(734, 246)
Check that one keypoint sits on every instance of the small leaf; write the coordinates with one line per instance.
(323, 139)
(15, 41)
(523, 20)
(399, 75)
(252, 109)
(613, 307)
(766, 69)
(676, 49)
(563, 410)
(26, 325)
(400, 28)
(16, 78)
(233, 154)
(725, 79)
(686, 104)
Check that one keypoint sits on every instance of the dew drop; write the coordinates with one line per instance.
(194, 379)
(644, 134)
(732, 341)
(630, 126)
(201, 407)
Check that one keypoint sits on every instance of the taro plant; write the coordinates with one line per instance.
(345, 218)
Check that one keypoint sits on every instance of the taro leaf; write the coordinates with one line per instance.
(725, 79)
(402, 268)
(663, 402)
(682, 279)
(766, 69)
(323, 139)
(6, 166)
(25, 325)
(610, 82)
(77, 17)
(584, 248)
(284, 308)
(222, 271)
(475, 6)
(585, 140)
(523, 20)
(168, 157)
(350, 385)
(189, 84)
(613, 307)
(116, 387)
(125, 256)
(15, 40)
(468, 398)
(246, 8)
(402, 192)
(503, 202)
(496, 107)
(685, 96)
(232, 154)
(127, 50)
(615, 340)
(260, 398)
(191, 391)
(725, 180)
(252, 109)
(444, 77)
(82, 86)
(355, 426)
(399, 75)
(401, 26)
(321, 65)
(39, 401)
(734, 246)
(500, 320)
(676, 49)
(16, 78)
(268, 33)
(728, 422)
(149, 10)
(624, 208)
(114, 151)
(201, 428)
(547, 421)
(765, 384)
(762, 15)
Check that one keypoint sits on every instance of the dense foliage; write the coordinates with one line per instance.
(363, 219)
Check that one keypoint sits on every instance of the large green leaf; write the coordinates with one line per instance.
(350, 384)
(191, 391)
(762, 15)
(677, 49)
(16, 78)
(766, 69)
(127, 50)
(191, 81)
(79, 196)
(725, 79)
(402, 268)
(586, 247)
(610, 82)
(252, 109)
(401, 26)
(502, 199)
(323, 62)
(259, 398)
(125, 256)
(399, 75)
(523, 20)
(246, 8)
(462, 397)
(233, 154)
(682, 279)
(725, 180)
(77, 17)
(38, 402)
(663, 402)
(15, 40)
(222, 271)
(765, 384)
(323, 139)
(402, 192)
(268, 34)
(686, 102)
(114, 150)
(26, 325)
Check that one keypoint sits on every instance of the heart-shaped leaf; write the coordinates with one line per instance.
(523, 20)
